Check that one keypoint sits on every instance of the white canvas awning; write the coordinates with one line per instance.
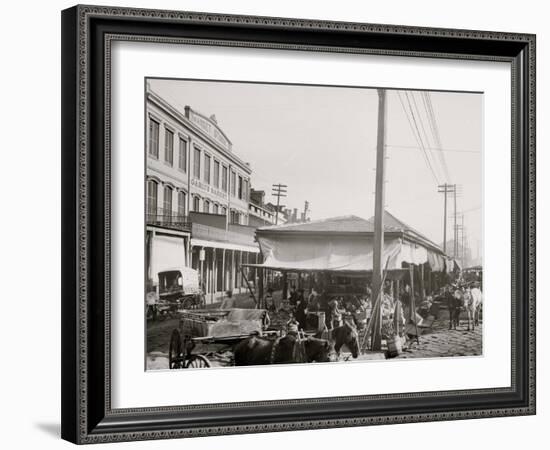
(336, 254)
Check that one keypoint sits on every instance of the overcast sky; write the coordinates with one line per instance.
(321, 142)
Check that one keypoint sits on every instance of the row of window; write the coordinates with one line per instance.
(152, 200)
(239, 185)
(261, 212)
(154, 130)
(167, 206)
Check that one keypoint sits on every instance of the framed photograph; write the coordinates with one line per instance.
(280, 224)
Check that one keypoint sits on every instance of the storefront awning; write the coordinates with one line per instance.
(224, 245)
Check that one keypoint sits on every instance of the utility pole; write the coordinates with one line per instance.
(460, 248)
(455, 243)
(462, 240)
(377, 288)
(446, 189)
(279, 190)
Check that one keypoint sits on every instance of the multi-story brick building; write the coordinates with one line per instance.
(191, 168)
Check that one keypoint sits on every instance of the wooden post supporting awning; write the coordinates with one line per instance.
(249, 287)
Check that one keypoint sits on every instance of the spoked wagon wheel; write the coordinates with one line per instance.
(175, 357)
(197, 361)
(187, 303)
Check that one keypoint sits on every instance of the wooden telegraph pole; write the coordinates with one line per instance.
(377, 288)
(443, 188)
(279, 190)
(446, 189)
(456, 191)
(463, 254)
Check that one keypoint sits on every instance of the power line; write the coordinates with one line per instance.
(475, 208)
(417, 137)
(452, 150)
(420, 140)
(423, 128)
(435, 130)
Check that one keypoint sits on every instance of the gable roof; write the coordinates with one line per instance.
(350, 225)
(392, 223)
(340, 224)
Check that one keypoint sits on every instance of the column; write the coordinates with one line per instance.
(232, 273)
(223, 272)
(261, 288)
(239, 274)
(201, 262)
(422, 288)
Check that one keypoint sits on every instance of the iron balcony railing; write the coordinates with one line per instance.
(168, 219)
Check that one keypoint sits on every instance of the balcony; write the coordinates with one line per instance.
(168, 219)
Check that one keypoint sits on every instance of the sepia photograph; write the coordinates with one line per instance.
(292, 223)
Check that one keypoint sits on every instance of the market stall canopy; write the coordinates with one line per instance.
(344, 244)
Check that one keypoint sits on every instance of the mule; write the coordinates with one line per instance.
(256, 350)
(346, 334)
(454, 303)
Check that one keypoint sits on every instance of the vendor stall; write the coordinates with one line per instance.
(336, 257)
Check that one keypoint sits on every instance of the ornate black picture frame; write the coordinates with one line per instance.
(87, 35)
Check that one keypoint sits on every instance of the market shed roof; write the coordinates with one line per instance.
(341, 224)
(349, 225)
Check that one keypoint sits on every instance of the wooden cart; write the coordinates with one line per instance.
(203, 333)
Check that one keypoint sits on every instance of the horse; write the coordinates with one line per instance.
(472, 303)
(257, 350)
(346, 334)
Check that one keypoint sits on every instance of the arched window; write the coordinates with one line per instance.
(167, 204)
(216, 209)
(152, 194)
(234, 217)
(182, 200)
(206, 206)
(196, 204)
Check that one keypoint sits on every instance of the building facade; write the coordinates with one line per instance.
(191, 168)
(191, 160)
(259, 213)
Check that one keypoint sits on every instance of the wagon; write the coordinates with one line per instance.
(204, 333)
(180, 287)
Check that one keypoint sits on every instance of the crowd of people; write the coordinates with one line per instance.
(326, 308)
(396, 305)
(336, 309)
